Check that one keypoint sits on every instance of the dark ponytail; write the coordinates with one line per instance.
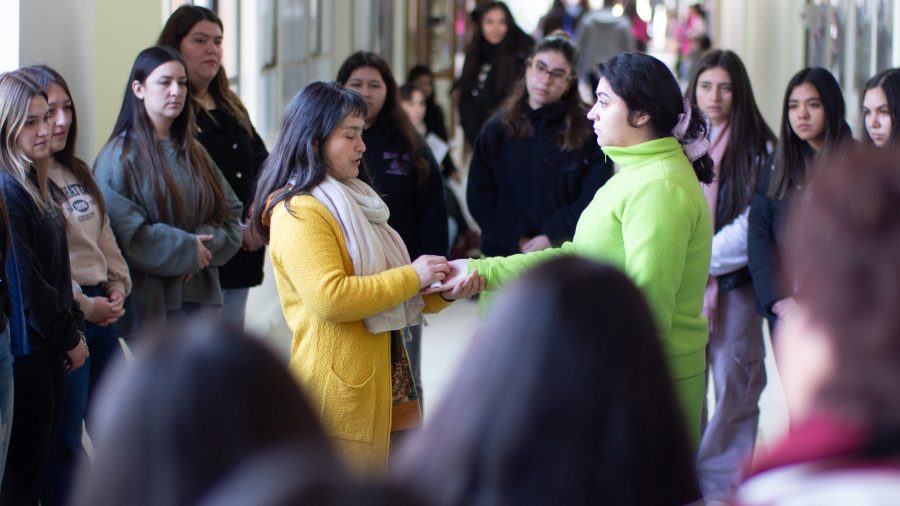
(648, 86)
(750, 139)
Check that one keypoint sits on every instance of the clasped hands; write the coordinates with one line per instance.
(107, 310)
(450, 278)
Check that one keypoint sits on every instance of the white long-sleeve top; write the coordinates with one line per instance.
(729, 246)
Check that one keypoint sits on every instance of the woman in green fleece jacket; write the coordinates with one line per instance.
(651, 219)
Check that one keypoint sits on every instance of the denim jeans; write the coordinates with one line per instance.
(235, 308)
(66, 449)
(6, 397)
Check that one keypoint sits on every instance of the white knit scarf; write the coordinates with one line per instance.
(373, 245)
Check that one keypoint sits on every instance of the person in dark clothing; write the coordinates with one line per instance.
(6, 371)
(422, 78)
(765, 242)
(401, 169)
(495, 60)
(563, 15)
(14, 341)
(97, 268)
(413, 102)
(55, 325)
(813, 129)
(398, 161)
(224, 129)
(536, 165)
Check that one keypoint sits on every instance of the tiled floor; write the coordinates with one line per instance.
(444, 342)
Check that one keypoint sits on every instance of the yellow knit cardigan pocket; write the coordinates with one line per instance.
(349, 410)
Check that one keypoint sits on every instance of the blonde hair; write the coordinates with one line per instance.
(17, 90)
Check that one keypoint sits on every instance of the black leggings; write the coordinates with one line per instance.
(39, 386)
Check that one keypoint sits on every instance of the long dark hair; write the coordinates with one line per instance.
(512, 114)
(417, 71)
(391, 117)
(572, 405)
(793, 156)
(750, 138)
(178, 26)
(434, 115)
(296, 163)
(136, 130)
(44, 76)
(515, 43)
(648, 86)
(889, 82)
(199, 399)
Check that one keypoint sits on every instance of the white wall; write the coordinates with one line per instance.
(92, 43)
(399, 62)
(768, 36)
(9, 35)
(123, 29)
(60, 35)
(249, 57)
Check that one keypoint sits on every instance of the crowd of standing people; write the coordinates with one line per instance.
(646, 236)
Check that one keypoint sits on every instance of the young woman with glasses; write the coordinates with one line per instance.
(536, 165)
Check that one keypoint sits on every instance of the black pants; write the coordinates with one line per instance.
(39, 386)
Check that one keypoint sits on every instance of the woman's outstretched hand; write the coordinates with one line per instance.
(464, 288)
(430, 269)
(459, 269)
(459, 283)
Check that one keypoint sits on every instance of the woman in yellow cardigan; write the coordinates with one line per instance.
(347, 288)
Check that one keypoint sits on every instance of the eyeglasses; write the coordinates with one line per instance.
(555, 76)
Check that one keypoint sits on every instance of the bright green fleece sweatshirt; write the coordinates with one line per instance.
(652, 221)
